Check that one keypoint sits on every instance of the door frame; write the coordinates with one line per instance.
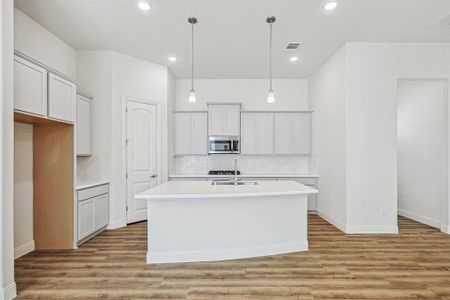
(159, 162)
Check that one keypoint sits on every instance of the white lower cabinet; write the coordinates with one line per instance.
(85, 218)
(101, 211)
(93, 211)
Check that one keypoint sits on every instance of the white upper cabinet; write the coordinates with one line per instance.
(233, 123)
(83, 126)
(257, 133)
(191, 133)
(30, 87)
(199, 133)
(61, 98)
(283, 133)
(224, 119)
(292, 133)
(301, 133)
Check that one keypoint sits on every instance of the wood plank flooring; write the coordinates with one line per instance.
(412, 265)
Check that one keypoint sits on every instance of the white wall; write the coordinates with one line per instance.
(422, 149)
(133, 78)
(372, 72)
(371, 138)
(7, 285)
(109, 77)
(327, 95)
(37, 42)
(374, 69)
(23, 189)
(94, 72)
(290, 94)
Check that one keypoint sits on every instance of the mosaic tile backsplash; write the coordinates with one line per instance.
(201, 164)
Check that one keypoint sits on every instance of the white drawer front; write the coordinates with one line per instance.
(92, 192)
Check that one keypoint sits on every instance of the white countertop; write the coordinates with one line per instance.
(245, 176)
(204, 189)
(88, 183)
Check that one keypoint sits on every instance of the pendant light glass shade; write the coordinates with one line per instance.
(270, 95)
(192, 97)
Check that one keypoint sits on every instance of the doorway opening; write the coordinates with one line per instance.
(422, 155)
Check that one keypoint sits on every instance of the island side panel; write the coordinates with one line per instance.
(209, 229)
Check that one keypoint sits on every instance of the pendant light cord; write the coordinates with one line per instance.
(192, 60)
(270, 57)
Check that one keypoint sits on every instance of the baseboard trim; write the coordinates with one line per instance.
(115, 224)
(226, 254)
(420, 218)
(372, 229)
(333, 221)
(24, 249)
(9, 292)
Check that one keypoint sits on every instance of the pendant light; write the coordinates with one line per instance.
(192, 97)
(270, 95)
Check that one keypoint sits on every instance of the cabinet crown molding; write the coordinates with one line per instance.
(42, 65)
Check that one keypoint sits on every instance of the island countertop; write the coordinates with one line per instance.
(205, 189)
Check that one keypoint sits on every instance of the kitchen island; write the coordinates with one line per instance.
(202, 221)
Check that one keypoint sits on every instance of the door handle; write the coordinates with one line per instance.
(154, 176)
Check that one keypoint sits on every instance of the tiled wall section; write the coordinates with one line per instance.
(201, 164)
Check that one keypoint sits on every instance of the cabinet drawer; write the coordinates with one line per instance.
(92, 192)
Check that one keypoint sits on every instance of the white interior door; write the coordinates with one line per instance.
(141, 156)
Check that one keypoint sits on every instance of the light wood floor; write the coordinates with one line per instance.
(412, 265)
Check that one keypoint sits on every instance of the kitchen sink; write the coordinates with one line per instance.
(230, 182)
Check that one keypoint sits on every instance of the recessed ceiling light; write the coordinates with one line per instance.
(329, 6)
(144, 5)
(172, 58)
(293, 58)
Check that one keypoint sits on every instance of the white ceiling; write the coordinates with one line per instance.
(232, 35)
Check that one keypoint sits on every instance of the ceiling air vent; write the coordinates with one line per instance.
(292, 46)
(443, 22)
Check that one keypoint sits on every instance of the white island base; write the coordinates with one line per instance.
(195, 221)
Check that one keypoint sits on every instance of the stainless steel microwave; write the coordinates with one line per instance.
(223, 145)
